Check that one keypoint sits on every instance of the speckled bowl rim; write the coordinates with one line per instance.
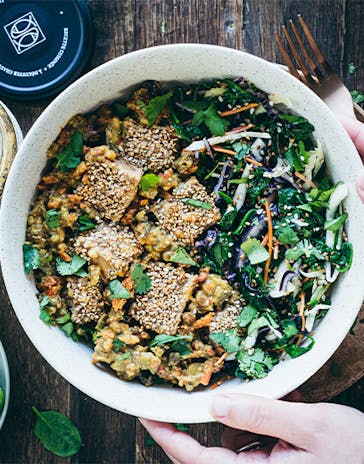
(184, 62)
(4, 368)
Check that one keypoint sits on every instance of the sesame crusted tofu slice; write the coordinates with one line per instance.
(183, 218)
(151, 148)
(227, 318)
(85, 300)
(112, 247)
(161, 308)
(109, 184)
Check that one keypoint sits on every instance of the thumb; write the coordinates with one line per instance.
(360, 186)
(295, 423)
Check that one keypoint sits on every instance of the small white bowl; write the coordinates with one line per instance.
(171, 63)
(4, 383)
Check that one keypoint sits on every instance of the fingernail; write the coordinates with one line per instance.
(220, 406)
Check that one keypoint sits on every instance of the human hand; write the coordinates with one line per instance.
(355, 129)
(305, 433)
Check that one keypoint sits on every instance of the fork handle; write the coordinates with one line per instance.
(359, 112)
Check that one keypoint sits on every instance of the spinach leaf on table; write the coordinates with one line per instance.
(57, 433)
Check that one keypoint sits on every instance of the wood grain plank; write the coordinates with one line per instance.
(353, 44)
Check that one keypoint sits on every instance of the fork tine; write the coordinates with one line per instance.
(306, 74)
(291, 66)
(317, 52)
(313, 66)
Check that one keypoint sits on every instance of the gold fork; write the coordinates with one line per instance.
(315, 71)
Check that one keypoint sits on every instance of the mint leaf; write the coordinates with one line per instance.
(148, 181)
(336, 223)
(181, 256)
(70, 158)
(229, 340)
(155, 107)
(118, 290)
(255, 251)
(141, 280)
(70, 268)
(163, 339)
(85, 223)
(52, 218)
(196, 203)
(31, 258)
(247, 315)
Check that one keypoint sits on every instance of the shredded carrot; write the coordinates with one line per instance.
(252, 161)
(224, 150)
(305, 179)
(265, 240)
(240, 128)
(238, 110)
(65, 256)
(270, 240)
(203, 322)
(221, 359)
(206, 373)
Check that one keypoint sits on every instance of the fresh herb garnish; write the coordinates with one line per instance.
(118, 290)
(148, 181)
(141, 280)
(335, 224)
(215, 124)
(57, 433)
(229, 340)
(31, 257)
(289, 328)
(43, 314)
(155, 107)
(70, 157)
(196, 203)
(52, 218)
(256, 365)
(286, 235)
(247, 315)
(255, 251)
(72, 267)
(163, 339)
(86, 223)
(125, 355)
(181, 256)
(118, 344)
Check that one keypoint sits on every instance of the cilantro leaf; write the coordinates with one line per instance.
(70, 157)
(85, 223)
(181, 256)
(304, 247)
(31, 257)
(357, 96)
(336, 223)
(68, 328)
(229, 340)
(289, 328)
(70, 268)
(286, 235)
(247, 315)
(43, 314)
(241, 150)
(148, 181)
(141, 280)
(63, 319)
(196, 203)
(255, 365)
(181, 346)
(118, 290)
(52, 218)
(163, 339)
(255, 251)
(155, 106)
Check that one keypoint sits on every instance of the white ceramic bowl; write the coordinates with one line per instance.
(184, 63)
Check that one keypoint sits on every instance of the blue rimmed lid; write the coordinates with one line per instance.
(44, 46)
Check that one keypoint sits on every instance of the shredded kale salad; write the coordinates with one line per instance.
(245, 173)
(281, 238)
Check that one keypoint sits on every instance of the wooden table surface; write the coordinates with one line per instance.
(123, 26)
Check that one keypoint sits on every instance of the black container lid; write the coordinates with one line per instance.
(45, 44)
